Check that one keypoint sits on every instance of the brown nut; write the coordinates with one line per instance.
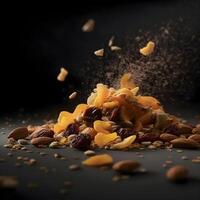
(185, 143)
(196, 130)
(42, 132)
(19, 133)
(126, 166)
(177, 173)
(195, 137)
(41, 141)
(167, 137)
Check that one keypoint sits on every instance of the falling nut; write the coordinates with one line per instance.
(126, 166)
(73, 95)
(177, 173)
(115, 48)
(88, 26)
(62, 75)
(148, 49)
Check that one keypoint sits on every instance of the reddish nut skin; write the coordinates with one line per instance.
(167, 137)
(177, 173)
(19, 133)
(148, 137)
(41, 141)
(126, 166)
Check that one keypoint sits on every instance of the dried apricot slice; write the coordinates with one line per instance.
(98, 160)
(102, 95)
(111, 104)
(149, 101)
(102, 139)
(148, 49)
(102, 126)
(125, 143)
(79, 109)
(126, 81)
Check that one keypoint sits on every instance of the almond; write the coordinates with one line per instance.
(167, 137)
(19, 133)
(178, 129)
(185, 143)
(195, 137)
(196, 130)
(41, 140)
(126, 166)
(177, 173)
(42, 132)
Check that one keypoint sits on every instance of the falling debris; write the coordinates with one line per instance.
(99, 52)
(62, 75)
(89, 26)
(148, 49)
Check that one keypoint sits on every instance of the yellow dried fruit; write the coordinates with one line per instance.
(149, 101)
(148, 49)
(98, 160)
(102, 95)
(126, 81)
(102, 139)
(63, 141)
(111, 104)
(125, 143)
(102, 126)
(67, 118)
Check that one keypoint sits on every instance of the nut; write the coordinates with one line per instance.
(89, 153)
(99, 52)
(195, 137)
(88, 26)
(42, 132)
(167, 137)
(62, 75)
(23, 142)
(73, 95)
(126, 166)
(177, 173)
(185, 143)
(54, 145)
(41, 140)
(196, 130)
(19, 133)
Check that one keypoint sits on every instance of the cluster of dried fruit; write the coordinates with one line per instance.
(112, 119)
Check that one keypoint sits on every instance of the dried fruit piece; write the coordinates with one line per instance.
(102, 95)
(102, 126)
(62, 75)
(81, 141)
(98, 160)
(126, 81)
(88, 26)
(126, 166)
(148, 49)
(148, 101)
(125, 132)
(19, 133)
(111, 105)
(71, 129)
(102, 139)
(125, 143)
(92, 114)
(99, 52)
(185, 143)
(177, 173)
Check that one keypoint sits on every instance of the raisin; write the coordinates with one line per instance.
(92, 114)
(125, 132)
(71, 129)
(114, 115)
(81, 141)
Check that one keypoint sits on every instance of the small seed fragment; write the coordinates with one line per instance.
(99, 52)
(115, 48)
(89, 153)
(73, 95)
(74, 167)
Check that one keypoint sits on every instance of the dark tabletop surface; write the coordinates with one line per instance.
(92, 183)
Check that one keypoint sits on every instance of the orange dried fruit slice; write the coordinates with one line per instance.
(79, 110)
(102, 126)
(127, 82)
(98, 160)
(102, 139)
(149, 101)
(125, 143)
(102, 95)
(58, 128)
(111, 104)
(148, 49)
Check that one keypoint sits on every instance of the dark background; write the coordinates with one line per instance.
(39, 39)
